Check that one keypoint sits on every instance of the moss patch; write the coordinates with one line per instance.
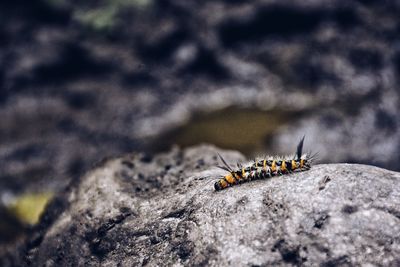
(28, 207)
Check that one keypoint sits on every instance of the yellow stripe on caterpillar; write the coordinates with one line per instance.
(230, 179)
(294, 165)
(273, 166)
(283, 166)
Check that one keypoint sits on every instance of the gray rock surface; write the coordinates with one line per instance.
(163, 211)
(67, 96)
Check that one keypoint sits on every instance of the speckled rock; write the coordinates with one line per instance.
(163, 211)
(67, 96)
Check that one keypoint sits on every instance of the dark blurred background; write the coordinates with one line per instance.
(85, 80)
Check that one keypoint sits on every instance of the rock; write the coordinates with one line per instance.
(67, 96)
(162, 210)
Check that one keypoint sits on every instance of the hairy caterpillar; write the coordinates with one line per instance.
(264, 168)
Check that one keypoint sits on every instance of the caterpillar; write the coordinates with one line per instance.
(264, 168)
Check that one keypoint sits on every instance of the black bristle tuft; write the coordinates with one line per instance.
(226, 164)
(299, 150)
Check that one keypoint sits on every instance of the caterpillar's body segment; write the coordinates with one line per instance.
(264, 168)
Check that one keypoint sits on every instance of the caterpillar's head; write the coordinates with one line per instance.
(223, 182)
(218, 185)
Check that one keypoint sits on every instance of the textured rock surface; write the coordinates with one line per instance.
(162, 210)
(67, 96)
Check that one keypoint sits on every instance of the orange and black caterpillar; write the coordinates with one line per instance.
(264, 168)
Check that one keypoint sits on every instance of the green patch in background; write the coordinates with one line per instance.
(104, 17)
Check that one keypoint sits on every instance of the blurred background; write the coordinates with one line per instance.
(84, 80)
